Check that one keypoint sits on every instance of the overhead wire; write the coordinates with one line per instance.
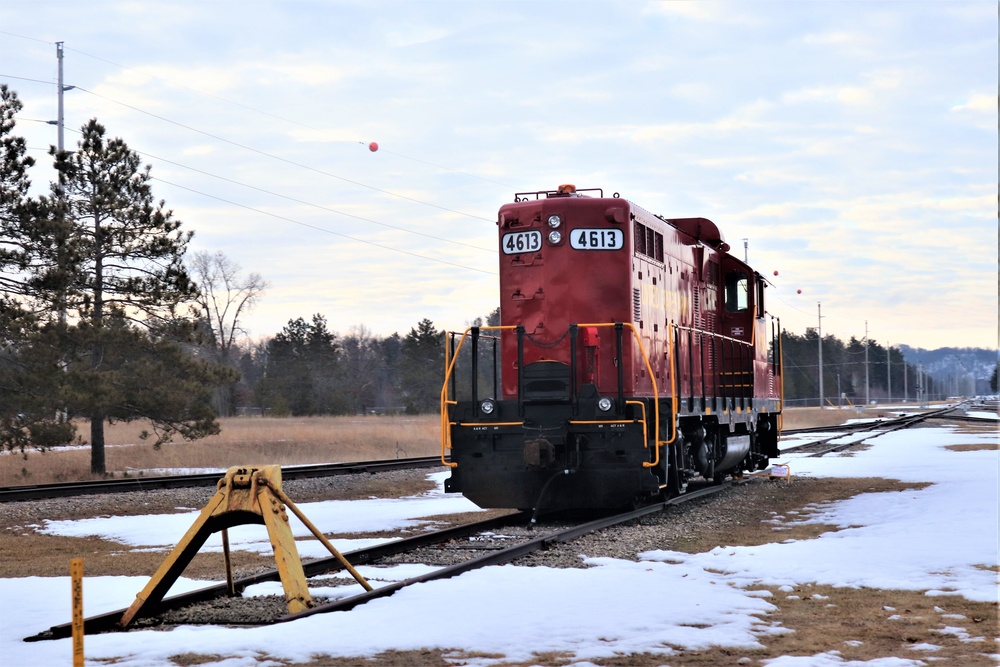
(279, 158)
(322, 229)
(249, 148)
(272, 156)
(307, 225)
(318, 206)
(281, 118)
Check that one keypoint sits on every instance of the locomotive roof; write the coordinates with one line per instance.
(702, 229)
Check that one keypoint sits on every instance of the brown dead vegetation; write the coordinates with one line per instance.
(981, 447)
(812, 417)
(242, 441)
(31, 554)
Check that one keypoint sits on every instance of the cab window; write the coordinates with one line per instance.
(737, 298)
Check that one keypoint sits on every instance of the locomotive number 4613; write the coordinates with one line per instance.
(597, 239)
(519, 242)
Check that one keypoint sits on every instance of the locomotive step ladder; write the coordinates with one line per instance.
(245, 495)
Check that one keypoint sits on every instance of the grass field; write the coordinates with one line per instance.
(242, 441)
(272, 440)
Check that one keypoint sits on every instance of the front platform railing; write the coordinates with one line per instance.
(473, 334)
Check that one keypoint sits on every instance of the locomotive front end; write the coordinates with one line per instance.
(551, 422)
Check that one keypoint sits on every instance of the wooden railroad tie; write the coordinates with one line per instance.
(245, 495)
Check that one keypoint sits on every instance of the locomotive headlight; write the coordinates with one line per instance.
(554, 221)
(488, 406)
(555, 237)
(604, 404)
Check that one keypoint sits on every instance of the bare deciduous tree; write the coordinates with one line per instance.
(226, 296)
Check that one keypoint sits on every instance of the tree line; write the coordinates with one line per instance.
(307, 369)
(889, 376)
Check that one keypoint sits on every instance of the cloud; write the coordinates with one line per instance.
(706, 12)
(980, 103)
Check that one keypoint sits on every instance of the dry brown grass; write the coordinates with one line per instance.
(811, 417)
(981, 447)
(242, 441)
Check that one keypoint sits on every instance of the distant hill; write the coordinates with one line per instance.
(955, 364)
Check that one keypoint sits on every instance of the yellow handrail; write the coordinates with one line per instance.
(656, 394)
(449, 368)
(645, 436)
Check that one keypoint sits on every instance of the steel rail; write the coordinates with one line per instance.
(504, 555)
(108, 622)
(129, 484)
(879, 428)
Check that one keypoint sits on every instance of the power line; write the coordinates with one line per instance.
(321, 229)
(32, 39)
(318, 206)
(277, 117)
(279, 158)
(24, 78)
(302, 201)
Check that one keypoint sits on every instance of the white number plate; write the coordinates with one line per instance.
(597, 239)
(518, 242)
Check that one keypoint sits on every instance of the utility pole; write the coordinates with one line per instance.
(920, 385)
(746, 251)
(60, 123)
(906, 393)
(867, 399)
(60, 120)
(60, 117)
(888, 372)
(819, 313)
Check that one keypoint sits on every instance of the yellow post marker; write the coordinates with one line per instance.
(76, 575)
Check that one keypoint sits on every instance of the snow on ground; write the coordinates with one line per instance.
(911, 540)
(929, 539)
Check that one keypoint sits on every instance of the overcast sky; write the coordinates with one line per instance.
(853, 144)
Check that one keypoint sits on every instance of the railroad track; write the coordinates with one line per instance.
(65, 490)
(494, 556)
(874, 429)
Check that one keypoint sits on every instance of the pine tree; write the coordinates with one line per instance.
(125, 291)
(302, 370)
(422, 367)
(29, 359)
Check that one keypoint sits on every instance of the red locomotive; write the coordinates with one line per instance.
(635, 355)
